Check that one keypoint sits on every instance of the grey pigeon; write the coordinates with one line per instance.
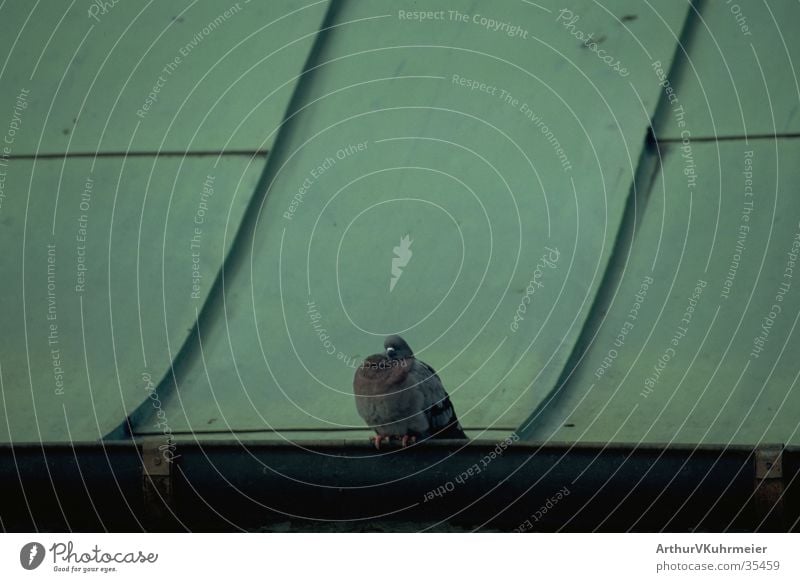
(401, 397)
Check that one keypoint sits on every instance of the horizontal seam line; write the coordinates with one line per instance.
(138, 154)
(728, 137)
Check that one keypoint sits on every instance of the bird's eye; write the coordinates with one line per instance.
(390, 351)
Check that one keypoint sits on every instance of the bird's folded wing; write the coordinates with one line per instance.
(437, 405)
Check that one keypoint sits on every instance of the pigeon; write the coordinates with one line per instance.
(401, 397)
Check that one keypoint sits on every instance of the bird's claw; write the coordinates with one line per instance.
(405, 440)
(378, 439)
(408, 439)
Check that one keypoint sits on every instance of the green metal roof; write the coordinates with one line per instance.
(163, 76)
(480, 217)
(313, 138)
(697, 343)
(97, 308)
(738, 70)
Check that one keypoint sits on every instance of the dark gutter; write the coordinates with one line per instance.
(229, 486)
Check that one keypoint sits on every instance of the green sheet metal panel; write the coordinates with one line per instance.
(106, 263)
(487, 134)
(666, 366)
(171, 76)
(741, 73)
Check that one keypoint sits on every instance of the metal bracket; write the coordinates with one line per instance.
(769, 488)
(157, 482)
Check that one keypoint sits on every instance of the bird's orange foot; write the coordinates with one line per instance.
(408, 439)
(378, 439)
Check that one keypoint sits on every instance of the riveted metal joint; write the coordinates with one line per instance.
(769, 487)
(157, 486)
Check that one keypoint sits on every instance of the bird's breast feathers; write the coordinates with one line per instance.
(380, 375)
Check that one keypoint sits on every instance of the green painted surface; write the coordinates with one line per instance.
(727, 372)
(389, 141)
(112, 299)
(741, 73)
(473, 179)
(171, 76)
